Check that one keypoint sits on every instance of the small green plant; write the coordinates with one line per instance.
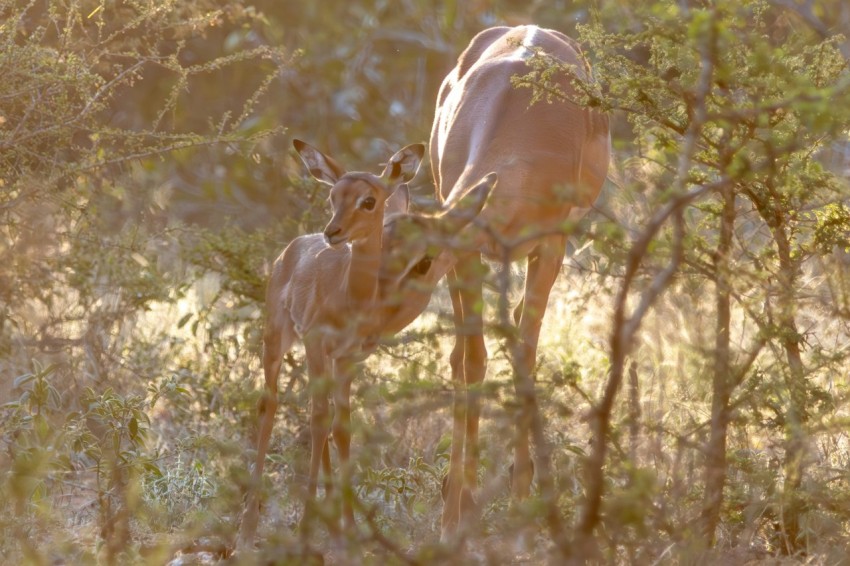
(178, 490)
(29, 437)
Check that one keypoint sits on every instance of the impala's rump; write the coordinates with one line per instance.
(550, 158)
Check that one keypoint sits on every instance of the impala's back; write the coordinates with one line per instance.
(551, 158)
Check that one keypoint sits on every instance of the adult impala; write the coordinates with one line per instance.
(551, 160)
(337, 292)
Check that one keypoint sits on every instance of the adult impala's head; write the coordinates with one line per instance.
(358, 197)
(419, 249)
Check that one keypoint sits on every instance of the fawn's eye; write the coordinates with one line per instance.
(368, 203)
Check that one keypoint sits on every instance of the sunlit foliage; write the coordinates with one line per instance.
(146, 183)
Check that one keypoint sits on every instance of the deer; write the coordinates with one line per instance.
(337, 292)
(551, 160)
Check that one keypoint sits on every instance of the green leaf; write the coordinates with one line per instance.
(133, 425)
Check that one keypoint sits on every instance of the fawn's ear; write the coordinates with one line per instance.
(464, 210)
(399, 201)
(321, 167)
(404, 164)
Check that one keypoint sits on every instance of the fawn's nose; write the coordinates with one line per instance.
(332, 235)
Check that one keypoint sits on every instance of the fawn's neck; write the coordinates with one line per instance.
(362, 276)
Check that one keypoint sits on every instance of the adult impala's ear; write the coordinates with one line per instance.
(464, 210)
(402, 166)
(322, 167)
(399, 201)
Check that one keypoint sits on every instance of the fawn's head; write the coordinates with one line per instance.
(359, 199)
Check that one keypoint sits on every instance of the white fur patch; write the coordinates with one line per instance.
(523, 51)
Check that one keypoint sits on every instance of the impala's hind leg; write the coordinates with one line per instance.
(469, 363)
(544, 264)
(278, 337)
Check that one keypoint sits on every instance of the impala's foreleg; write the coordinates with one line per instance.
(278, 336)
(343, 375)
(320, 418)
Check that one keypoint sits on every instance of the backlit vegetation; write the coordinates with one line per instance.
(693, 368)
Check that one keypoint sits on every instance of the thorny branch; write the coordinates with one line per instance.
(625, 326)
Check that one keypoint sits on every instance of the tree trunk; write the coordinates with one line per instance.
(784, 312)
(722, 382)
(795, 382)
